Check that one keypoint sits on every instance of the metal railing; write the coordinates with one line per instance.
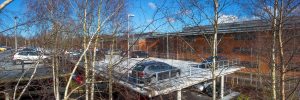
(196, 68)
(191, 71)
(157, 76)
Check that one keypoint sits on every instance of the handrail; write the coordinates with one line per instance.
(192, 70)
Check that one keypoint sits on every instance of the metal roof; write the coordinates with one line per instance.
(235, 27)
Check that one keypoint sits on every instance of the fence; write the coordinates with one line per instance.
(260, 81)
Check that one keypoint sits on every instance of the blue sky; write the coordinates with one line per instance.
(165, 20)
(145, 13)
(149, 13)
(15, 8)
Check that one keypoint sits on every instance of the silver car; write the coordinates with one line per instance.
(28, 57)
(152, 71)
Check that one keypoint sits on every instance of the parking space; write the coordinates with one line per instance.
(189, 75)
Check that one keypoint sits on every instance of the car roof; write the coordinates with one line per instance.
(138, 51)
(27, 51)
(151, 62)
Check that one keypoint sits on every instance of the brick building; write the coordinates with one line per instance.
(249, 41)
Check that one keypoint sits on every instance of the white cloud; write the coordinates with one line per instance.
(149, 20)
(228, 19)
(248, 18)
(152, 5)
(171, 20)
(184, 12)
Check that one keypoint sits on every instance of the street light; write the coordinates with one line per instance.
(16, 41)
(128, 16)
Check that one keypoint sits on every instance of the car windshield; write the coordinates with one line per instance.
(33, 53)
(28, 49)
(23, 53)
(139, 67)
(143, 53)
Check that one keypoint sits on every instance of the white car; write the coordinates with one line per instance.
(28, 57)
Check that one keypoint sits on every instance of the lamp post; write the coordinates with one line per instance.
(16, 41)
(128, 46)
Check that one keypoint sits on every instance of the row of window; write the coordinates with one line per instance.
(243, 50)
(294, 67)
(249, 64)
(244, 36)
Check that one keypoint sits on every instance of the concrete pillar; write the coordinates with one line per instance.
(251, 78)
(178, 94)
(6, 96)
(222, 87)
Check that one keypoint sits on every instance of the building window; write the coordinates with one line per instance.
(294, 67)
(249, 64)
(220, 50)
(243, 50)
(208, 50)
(244, 36)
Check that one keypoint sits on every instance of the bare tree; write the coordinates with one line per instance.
(273, 69)
(5, 3)
(279, 14)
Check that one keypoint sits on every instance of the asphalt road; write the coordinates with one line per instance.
(4, 56)
(10, 71)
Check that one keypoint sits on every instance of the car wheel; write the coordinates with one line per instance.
(178, 74)
(208, 90)
(18, 62)
(46, 60)
(153, 79)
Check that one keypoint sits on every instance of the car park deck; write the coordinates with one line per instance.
(189, 75)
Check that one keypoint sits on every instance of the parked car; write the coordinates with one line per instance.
(139, 54)
(28, 49)
(151, 71)
(113, 52)
(28, 57)
(2, 49)
(207, 87)
(202, 86)
(208, 62)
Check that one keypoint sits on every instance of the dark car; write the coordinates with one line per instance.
(208, 61)
(151, 71)
(139, 54)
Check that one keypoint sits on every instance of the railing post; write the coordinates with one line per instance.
(170, 74)
(156, 78)
(237, 80)
(190, 71)
(128, 78)
(222, 87)
(136, 78)
(228, 61)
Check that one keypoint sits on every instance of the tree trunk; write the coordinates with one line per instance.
(110, 69)
(282, 62)
(214, 53)
(85, 56)
(95, 53)
(274, 51)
